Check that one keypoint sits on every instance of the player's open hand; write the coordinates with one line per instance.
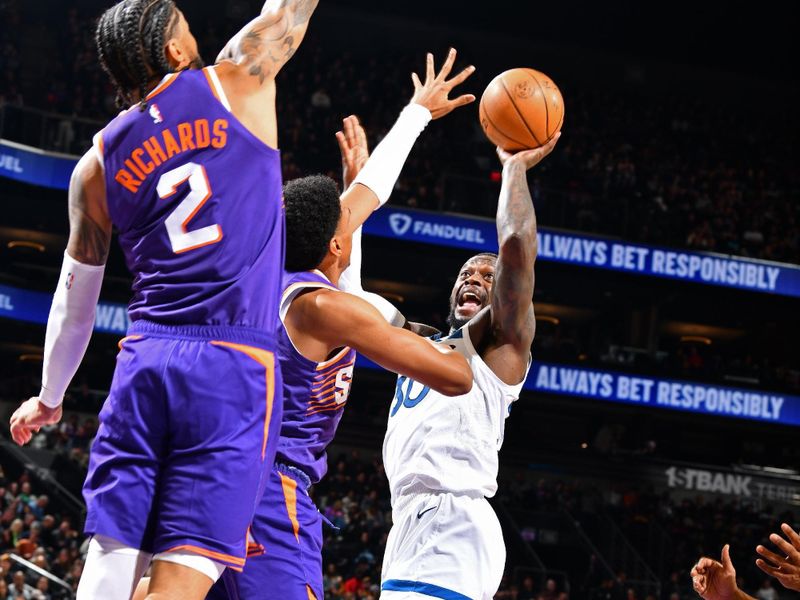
(785, 567)
(353, 147)
(529, 158)
(714, 580)
(30, 417)
(434, 93)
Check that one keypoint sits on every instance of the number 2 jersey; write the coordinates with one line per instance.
(196, 199)
(314, 394)
(438, 443)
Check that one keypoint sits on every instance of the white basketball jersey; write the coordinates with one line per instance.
(437, 443)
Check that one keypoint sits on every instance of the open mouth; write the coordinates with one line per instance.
(469, 300)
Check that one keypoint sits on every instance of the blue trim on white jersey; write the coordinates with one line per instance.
(428, 589)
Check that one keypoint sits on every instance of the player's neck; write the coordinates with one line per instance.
(331, 271)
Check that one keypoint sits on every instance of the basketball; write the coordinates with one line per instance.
(521, 109)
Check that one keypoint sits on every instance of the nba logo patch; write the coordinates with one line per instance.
(70, 280)
(156, 114)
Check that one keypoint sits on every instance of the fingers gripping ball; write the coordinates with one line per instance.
(521, 108)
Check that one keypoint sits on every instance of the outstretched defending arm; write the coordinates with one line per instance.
(785, 567)
(375, 178)
(714, 580)
(513, 323)
(267, 42)
(368, 181)
(340, 319)
(71, 319)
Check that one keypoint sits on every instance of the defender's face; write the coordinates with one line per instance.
(472, 290)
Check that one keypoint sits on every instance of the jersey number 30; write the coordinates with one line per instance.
(403, 394)
(199, 193)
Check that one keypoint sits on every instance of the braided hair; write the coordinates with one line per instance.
(130, 38)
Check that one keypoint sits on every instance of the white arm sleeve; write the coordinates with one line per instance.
(379, 175)
(69, 327)
(387, 160)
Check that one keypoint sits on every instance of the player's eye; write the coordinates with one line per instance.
(464, 274)
(489, 276)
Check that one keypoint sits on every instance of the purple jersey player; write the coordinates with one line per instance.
(322, 329)
(189, 175)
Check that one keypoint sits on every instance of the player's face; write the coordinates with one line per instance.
(472, 290)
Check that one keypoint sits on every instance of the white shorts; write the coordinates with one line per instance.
(443, 546)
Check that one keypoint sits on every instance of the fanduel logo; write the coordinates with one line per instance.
(400, 223)
(10, 163)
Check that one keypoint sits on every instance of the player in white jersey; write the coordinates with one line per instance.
(441, 453)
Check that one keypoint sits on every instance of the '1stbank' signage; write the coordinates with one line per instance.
(699, 267)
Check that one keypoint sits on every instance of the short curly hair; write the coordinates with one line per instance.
(313, 210)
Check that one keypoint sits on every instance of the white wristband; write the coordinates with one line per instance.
(387, 160)
(69, 327)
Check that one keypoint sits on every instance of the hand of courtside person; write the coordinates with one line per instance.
(786, 566)
(30, 417)
(529, 158)
(434, 93)
(714, 580)
(353, 147)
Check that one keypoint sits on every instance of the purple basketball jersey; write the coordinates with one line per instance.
(314, 394)
(196, 199)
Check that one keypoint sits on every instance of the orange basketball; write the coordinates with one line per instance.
(520, 109)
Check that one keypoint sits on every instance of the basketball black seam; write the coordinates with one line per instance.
(521, 118)
(500, 131)
(546, 108)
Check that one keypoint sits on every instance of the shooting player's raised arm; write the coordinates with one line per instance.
(513, 322)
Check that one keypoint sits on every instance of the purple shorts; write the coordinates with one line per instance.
(186, 440)
(286, 546)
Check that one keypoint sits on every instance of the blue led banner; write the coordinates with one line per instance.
(698, 398)
(688, 396)
(24, 305)
(34, 166)
(53, 170)
(582, 250)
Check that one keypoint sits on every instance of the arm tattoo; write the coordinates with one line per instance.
(516, 229)
(303, 11)
(89, 241)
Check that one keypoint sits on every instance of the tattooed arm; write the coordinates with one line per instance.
(513, 323)
(271, 39)
(89, 222)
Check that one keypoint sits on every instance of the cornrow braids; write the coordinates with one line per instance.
(132, 23)
(130, 41)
